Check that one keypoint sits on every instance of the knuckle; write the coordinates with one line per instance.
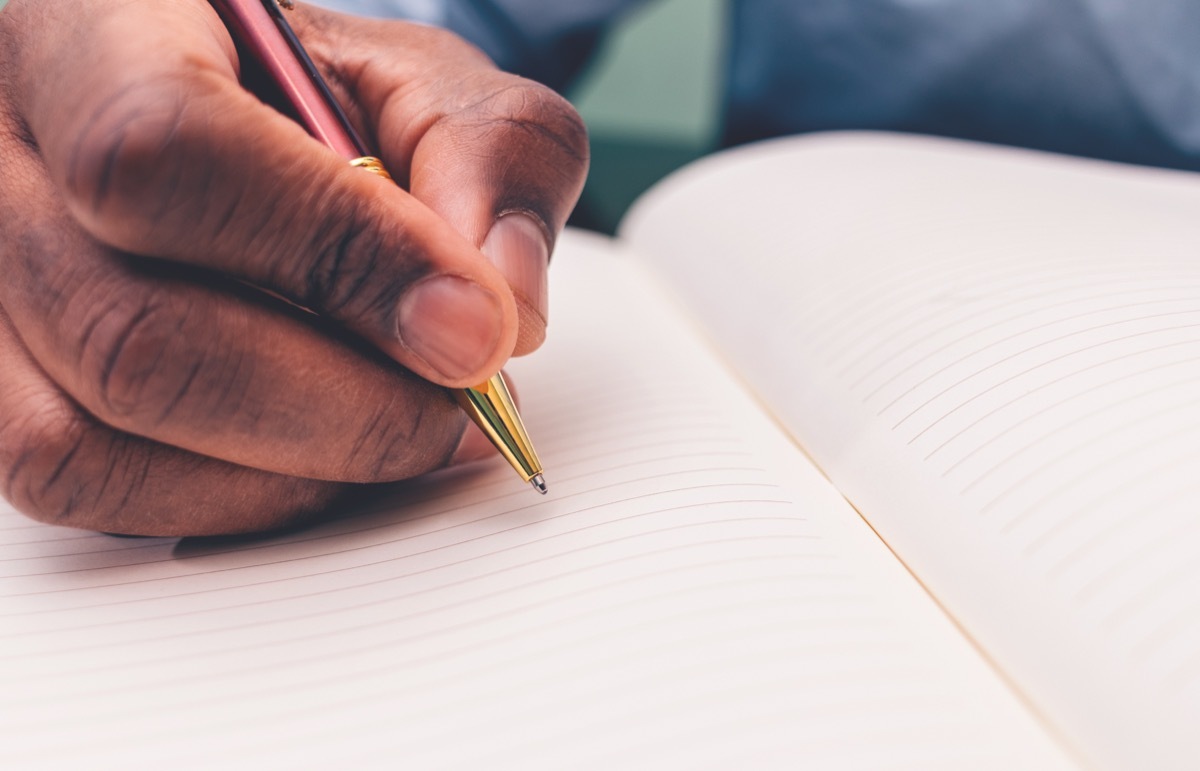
(120, 151)
(405, 436)
(42, 461)
(529, 122)
(285, 504)
(61, 467)
(356, 270)
(547, 117)
(139, 359)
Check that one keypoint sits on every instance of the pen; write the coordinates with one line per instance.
(262, 31)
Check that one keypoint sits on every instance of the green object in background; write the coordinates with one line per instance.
(651, 102)
(656, 76)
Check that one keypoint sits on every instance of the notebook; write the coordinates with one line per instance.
(864, 452)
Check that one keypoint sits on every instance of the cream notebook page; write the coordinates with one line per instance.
(995, 355)
(691, 594)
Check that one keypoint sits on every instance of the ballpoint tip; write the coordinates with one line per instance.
(539, 484)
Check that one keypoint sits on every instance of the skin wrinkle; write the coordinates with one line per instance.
(89, 329)
(408, 136)
(116, 444)
(18, 465)
(204, 178)
(231, 396)
(360, 442)
(323, 282)
(22, 168)
(496, 125)
(214, 202)
(412, 134)
(67, 511)
(349, 70)
(111, 351)
(347, 248)
(29, 246)
(571, 137)
(59, 285)
(17, 429)
(143, 160)
(234, 207)
(62, 464)
(276, 258)
(98, 313)
(44, 440)
(387, 452)
(168, 159)
(61, 477)
(9, 57)
(84, 150)
(227, 374)
(134, 484)
(449, 447)
(18, 128)
(189, 379)
(374, 294)
(123, 465)
(378, 300)
(275, 220)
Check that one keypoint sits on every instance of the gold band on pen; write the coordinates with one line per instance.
(489, 405)
(371, 164)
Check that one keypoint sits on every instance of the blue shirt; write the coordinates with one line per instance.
(1116, 79)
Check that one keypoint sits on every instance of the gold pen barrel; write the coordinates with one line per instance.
(489, 404)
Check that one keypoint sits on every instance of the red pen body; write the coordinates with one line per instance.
(261, 31)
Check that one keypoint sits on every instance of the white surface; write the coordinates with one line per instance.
(691, 594)
(995, 355)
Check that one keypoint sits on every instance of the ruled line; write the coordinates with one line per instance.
(1090, 387)
(410, 555)
(985, 311)
(319, 681)
(1081, 474)
(1037, 346)
(349, 549)
(400, 621)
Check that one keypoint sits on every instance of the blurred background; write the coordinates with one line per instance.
(651, 101)
(1100, 78)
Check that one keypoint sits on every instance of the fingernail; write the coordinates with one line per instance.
(452, 323)
(517, 246)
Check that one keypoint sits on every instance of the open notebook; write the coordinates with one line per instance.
(993, 355)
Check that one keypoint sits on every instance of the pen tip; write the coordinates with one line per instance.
(539, 484)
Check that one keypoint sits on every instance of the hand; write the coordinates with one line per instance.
(147, 384)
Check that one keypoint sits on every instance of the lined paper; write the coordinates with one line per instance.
(995, 355)
(692, 594)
